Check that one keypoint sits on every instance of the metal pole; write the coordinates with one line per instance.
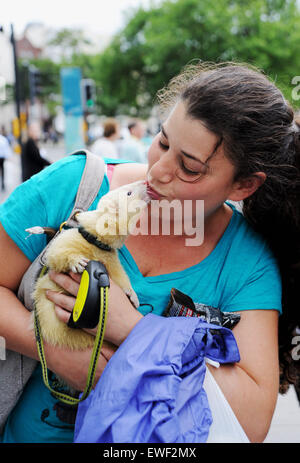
(17, 82)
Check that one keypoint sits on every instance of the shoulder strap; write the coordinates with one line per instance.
(91, 181)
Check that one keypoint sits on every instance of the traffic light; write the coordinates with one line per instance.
(88, 95)
(35, 83)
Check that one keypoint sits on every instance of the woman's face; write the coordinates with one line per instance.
(179, 155)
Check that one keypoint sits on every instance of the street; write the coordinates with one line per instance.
(285, 426)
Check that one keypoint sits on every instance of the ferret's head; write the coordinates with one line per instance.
(117, 213)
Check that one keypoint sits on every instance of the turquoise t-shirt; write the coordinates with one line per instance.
(239, 274)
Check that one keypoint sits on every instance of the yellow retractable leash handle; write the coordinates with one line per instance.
(86, 309)
(90, 309)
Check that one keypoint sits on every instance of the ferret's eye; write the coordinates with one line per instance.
(129, 193)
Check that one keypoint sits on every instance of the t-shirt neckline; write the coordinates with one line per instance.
(183, 273)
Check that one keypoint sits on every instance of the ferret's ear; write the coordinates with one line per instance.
(106, 224)
(122, 225)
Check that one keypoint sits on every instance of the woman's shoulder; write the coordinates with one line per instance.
(246, 244)
(128, 173)
(250, 272)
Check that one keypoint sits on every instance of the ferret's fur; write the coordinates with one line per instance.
(70, 251)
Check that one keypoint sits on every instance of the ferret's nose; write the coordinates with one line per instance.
(145, 196)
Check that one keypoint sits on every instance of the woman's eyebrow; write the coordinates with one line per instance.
(190, 156)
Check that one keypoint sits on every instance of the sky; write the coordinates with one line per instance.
(101, 16)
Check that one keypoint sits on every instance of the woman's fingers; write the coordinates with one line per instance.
(75, 276)
(62, 300)
(62, 314)
(64, 303)
(69, 283)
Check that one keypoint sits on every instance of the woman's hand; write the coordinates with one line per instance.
(121, 317)
(64, 303)
(72, 366)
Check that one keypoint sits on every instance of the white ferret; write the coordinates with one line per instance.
(110, 223)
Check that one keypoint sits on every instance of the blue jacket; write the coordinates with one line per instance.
(151, 390)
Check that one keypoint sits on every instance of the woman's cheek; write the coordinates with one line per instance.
(154, 152)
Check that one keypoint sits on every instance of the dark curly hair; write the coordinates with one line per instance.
(259, 132)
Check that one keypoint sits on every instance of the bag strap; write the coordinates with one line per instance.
(89, 186)
(90, 183)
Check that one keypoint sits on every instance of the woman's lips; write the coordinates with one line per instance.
(153, 193)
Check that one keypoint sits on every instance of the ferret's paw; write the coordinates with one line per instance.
(79, 266)
(133, 297)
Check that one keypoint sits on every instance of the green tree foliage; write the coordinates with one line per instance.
(69, 42)
(156, 43)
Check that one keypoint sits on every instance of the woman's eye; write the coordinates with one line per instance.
(188, 171)
(163, 146)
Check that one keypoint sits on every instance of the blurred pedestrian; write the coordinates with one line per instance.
(106, 146)
(5, 152)
(32, 161)
(9, 136)
(132, 148)
(147, 139)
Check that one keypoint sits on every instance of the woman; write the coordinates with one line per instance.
(230, 135)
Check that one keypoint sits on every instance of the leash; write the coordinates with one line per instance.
(64, 397)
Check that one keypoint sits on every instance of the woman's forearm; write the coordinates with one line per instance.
(15, 325)
(17, 330)
(251, 385)
(249, 400)
(121, 316)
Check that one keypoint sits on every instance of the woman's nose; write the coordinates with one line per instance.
(163, 169)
